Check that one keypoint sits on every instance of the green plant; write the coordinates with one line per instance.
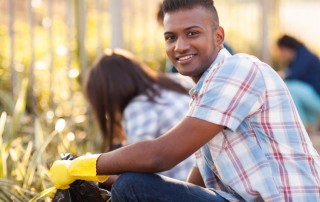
(47, 90)
(27, 150)
(25, 161)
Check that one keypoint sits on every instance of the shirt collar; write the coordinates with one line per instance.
(223, 53)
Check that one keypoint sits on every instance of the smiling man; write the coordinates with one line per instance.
(243, 127)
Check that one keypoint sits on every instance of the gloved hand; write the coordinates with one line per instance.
(65, 172)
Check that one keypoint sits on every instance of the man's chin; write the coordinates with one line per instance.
(185, 72)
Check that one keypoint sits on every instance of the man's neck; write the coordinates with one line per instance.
(196, 78)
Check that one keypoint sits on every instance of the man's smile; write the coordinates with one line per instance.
(185, 59)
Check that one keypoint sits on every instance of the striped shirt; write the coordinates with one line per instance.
(264, 153)
(147, 120)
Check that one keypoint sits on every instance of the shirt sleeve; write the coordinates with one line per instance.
(140, 121)
(230, 93)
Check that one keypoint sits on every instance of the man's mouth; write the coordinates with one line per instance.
(185, 58)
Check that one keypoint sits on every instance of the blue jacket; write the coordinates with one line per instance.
(305, 67)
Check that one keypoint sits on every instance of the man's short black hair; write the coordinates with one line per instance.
(175, 5)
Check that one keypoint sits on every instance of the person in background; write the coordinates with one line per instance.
(302, 78)
(132, 103)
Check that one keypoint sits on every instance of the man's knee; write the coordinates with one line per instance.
(125, 180)
(121, 189)
(128, 184)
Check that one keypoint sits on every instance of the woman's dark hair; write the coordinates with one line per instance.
(160, 15)
(289, 42)
(175, 5)
(113, 81)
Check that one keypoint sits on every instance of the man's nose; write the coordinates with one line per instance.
(181, 45)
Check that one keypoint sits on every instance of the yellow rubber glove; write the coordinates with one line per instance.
(59, 174)
(65, 172)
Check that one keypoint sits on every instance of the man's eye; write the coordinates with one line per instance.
(192, 33)
(170, 38)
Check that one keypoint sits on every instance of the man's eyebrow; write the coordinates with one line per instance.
(166, 33)
(192, 27)
(186, 29)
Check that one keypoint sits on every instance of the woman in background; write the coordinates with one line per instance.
(132, 103)
(302, 78)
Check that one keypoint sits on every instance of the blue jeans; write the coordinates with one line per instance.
(152, 188)
(306, 99)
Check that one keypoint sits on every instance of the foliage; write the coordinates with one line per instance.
(33, 135)
(43, 110)
(26, 157)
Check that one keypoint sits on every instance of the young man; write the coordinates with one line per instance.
(249, 141)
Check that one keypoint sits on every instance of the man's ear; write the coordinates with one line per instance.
(219, 36)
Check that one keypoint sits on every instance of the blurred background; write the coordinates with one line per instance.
(46, 47)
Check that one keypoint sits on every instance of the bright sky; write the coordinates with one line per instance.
(301, 19)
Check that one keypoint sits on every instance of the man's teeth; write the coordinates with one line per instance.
(186, 57)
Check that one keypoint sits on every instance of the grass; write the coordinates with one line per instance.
(22, 171)
(31, 132)
(28, 147)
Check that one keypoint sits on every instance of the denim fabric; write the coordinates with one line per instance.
(152, 188)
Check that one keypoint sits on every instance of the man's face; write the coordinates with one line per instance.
(192, 42)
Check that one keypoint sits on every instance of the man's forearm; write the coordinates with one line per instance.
(162, 153)
(139, 157)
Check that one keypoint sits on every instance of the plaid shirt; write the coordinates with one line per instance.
(264, 153)
(147, 120)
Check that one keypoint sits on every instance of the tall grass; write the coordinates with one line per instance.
(25, 161)
(11, 187)
(3, 164)
(23, 171)
(29, 138)
(28, 147)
